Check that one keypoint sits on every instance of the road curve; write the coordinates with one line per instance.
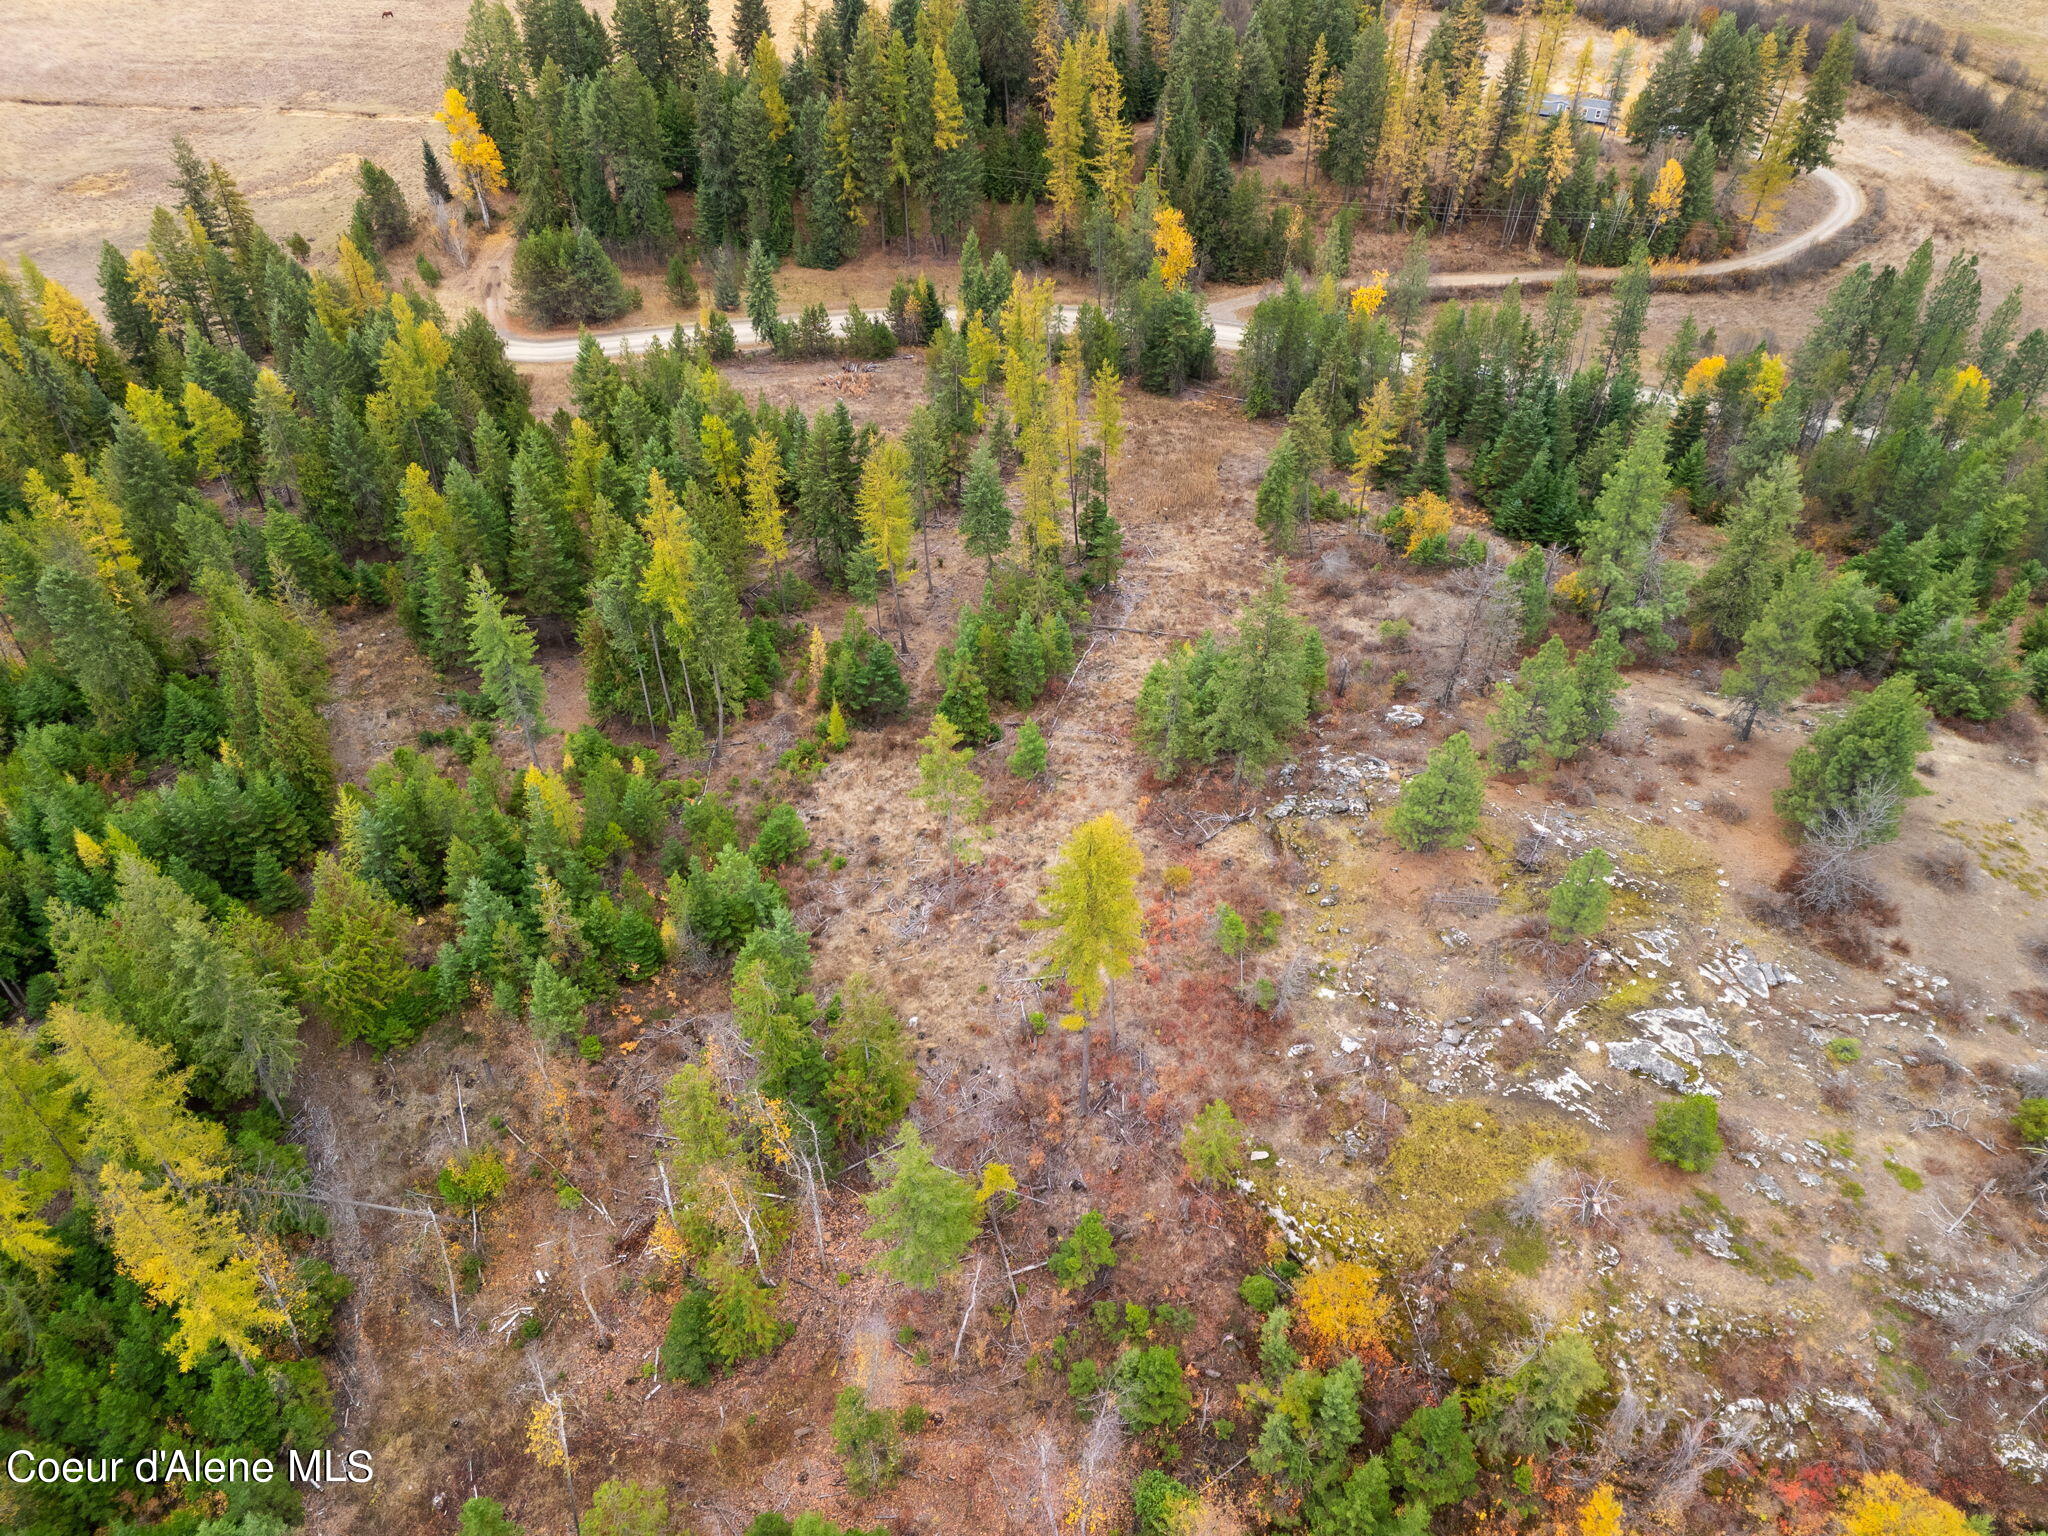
(1229, 315)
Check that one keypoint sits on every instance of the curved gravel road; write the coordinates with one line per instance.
(1229, 316)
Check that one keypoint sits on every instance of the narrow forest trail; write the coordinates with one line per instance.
(1230, 316)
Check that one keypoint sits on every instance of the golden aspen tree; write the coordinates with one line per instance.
(189, 1257)
(1768, 387)
(1110, 167)
(883, 506)
(1066, 140)
(1367, 298)
(1173, 248)
(1093, 917)
(1886, 1504)
(473, 151)
(765, 529)
(1701, 376)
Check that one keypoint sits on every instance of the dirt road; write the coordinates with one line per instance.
(1229, 316)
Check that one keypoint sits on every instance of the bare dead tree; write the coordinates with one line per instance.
(1704, 1446)
(1834, 866)
(1484, 629)
(1594, 1203)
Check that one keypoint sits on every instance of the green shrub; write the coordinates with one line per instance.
(1258, 1292)
(1687, 1133)
(474, 1179)
(1085, 1253)
(2031, 1123)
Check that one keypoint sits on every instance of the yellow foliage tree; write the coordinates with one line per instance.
(1368, 297)
(73, 331)
(1373, 437)
(473, 151)
(764, 504)
(1600, 1515)
(1703, 375)
(1669, 191)
(190, 1257)
(1173, 248)
(1341, 1307)
(1885, 1504)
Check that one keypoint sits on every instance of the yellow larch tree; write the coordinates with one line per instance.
(190, 1257)
(136, 1098)
(765, 529)
(1341, 1307)
(1319, 104)
(1066, 140)
(1110, 166)
(883, 506)
(73, 332)
(1600, 1515)
(1371, 440)
(1668, 194)
(1097, 929)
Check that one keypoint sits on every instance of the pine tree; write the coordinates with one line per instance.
(1632, 588)
(984, 508)
(874, 1079)
(555, 1006)
(501, 648)
(950, 789)
(1596, 677)
(761, 300)
(926, 1214)
(358, 971)
(1780, 650)
(1441, 804)
(1578, 902)
(1092, 914)
(750, 23)
(1827, 94)
(1528, 575)
(1028, 760)
(1733, 591)
(1860, 763)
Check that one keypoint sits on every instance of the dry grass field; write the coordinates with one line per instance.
(288, 96)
